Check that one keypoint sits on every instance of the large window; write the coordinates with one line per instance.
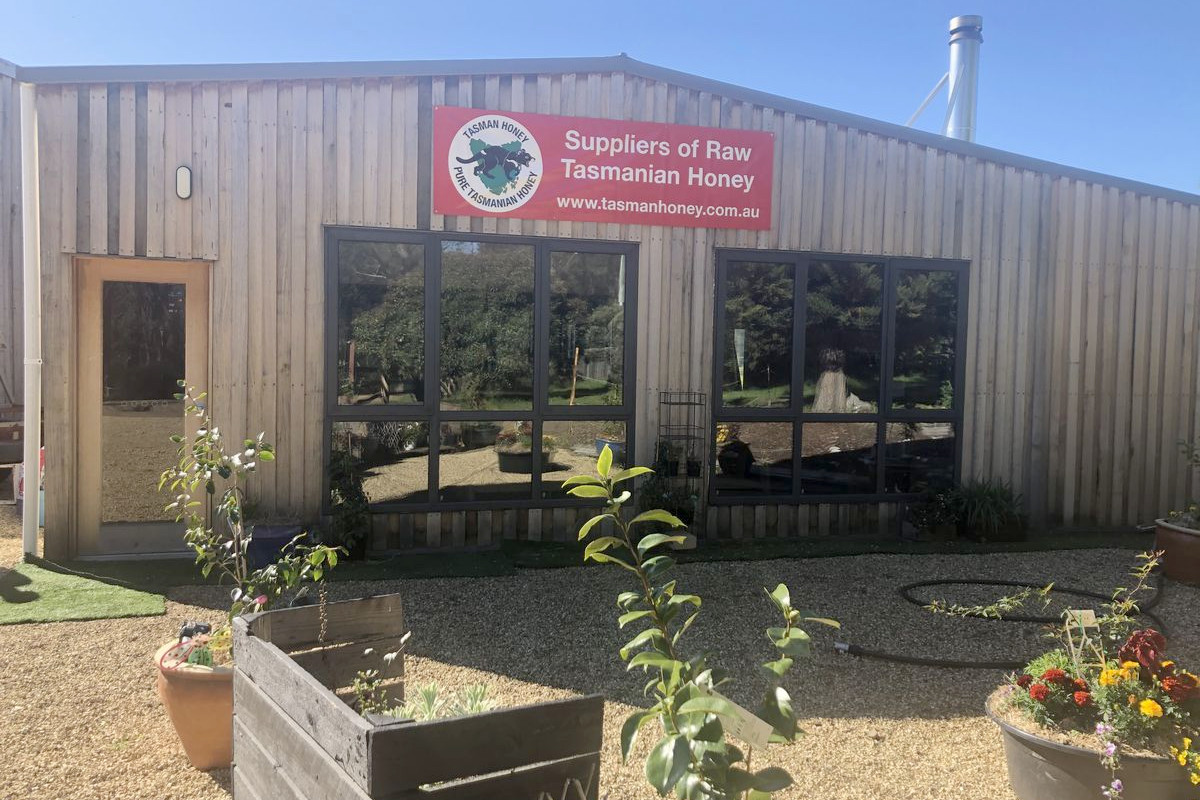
(839, 376)
(470, 370)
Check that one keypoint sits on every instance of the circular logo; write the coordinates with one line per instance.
(495, 163)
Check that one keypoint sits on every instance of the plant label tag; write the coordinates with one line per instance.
(745, 726)
(1083, 617)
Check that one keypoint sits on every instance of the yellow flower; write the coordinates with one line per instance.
(1187, 743)
(1110, 677)
(1150, 708)
(1166, 664)
(1196, 779)
(1130, 665)
(1182, 759)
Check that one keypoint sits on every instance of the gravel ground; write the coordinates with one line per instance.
(83, 720)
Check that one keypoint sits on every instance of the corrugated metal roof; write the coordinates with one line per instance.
(542, 66)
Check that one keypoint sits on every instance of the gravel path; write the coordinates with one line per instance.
(83, 720)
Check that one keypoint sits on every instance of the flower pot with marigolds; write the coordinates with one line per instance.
(1107, 713)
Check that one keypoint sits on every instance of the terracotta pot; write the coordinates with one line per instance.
(199, 701)
(1182, 548)
(1040, 769)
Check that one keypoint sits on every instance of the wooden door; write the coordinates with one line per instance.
(142, 326)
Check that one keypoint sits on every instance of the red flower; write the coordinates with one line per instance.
(1056, 675)
(1082, 699)
(1146, 647)
(1024, 680)
(1181, 688)
(1080, 685)
(1039, 692)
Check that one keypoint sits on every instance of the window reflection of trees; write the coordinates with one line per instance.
(587, 328)
(143, 340)
(843, 337)
(926, 328)
(381, 327)
(758, 335)
(486, 326)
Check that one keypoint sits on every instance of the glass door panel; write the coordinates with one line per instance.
(143, 359)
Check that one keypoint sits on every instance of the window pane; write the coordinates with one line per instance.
(381, 323)
(392, 457)
(753, 458)
(572, 447)
(487, 326)
(143, 358)
(486, 461)
(843, 334)
(926, 329)
(839, 458)
(587, 328)
(920, 456)
(757, 361)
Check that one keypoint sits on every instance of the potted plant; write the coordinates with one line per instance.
(195, 681)
(1106, 713)
(1178, 536)
(514, 449)
(987, 510)
(612, 436)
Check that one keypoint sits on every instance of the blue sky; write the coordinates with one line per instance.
(1104, 85)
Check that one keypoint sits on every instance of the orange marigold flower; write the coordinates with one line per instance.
(1182, 687)
(1024, 680)
(1055, 675)
(1039, 692)
(1080, 685)
(1082, 699)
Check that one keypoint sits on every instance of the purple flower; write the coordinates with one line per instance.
(1103, 729)
(1117, 786)
(1110, 749)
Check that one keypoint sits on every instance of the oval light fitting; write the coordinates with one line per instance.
(183, 182)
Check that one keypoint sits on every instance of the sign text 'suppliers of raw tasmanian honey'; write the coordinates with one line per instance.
(534, 166)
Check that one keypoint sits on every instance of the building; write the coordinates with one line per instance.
(466, 274)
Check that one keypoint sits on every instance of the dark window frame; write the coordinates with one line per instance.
(794, 412)
(429, 410)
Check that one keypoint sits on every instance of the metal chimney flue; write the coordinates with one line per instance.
(966, 34)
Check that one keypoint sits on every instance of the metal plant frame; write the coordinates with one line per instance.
(793, 413)
(429, 410)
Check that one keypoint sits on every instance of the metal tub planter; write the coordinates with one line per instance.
(1181, 546)
(1041, 769)
(296, 738)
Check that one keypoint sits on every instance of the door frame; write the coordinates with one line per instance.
(91, 274)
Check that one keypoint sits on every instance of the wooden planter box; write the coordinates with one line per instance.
(296, 738)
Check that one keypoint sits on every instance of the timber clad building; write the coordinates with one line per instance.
(808, 319)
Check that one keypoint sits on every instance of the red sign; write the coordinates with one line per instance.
(535, 166)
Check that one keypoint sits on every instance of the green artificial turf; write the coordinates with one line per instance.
(31, 594)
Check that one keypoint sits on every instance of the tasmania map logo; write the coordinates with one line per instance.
(495, 163)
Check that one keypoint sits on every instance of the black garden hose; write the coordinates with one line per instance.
(1144, 610)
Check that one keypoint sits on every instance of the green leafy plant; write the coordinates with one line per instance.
(205, 469)
(986, 508)
(692, 757)
(428, 702)
(348, 503)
